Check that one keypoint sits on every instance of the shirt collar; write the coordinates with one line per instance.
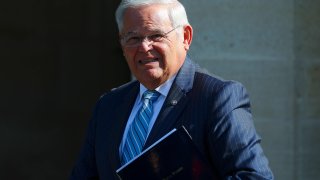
(163, 89)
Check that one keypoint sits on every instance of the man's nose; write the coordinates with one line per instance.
(145, 45)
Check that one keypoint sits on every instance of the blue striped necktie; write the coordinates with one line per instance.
(138, 130)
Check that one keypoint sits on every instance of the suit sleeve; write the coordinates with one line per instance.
(85, 167)
(234, 143)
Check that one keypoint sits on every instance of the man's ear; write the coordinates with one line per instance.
(187, 36)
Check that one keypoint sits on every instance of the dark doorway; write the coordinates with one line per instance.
(57, 58)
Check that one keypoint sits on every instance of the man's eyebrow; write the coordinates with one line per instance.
(156, 30)
(130, 32)
(151, 31)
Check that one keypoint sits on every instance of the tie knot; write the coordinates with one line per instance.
(151, 95)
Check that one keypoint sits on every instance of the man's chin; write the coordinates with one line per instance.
(152, 74)
(151, 81)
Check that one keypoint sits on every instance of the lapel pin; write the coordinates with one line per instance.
(174, 102)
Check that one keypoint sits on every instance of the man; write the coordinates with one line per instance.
(155, 36)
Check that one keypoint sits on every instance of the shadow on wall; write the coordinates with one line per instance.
(57, 58)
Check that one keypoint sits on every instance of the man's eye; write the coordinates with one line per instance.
(156, 37)
(133, 39)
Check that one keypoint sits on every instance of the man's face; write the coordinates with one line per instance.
(152, 63)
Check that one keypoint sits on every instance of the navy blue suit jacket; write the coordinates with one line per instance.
(215, 112)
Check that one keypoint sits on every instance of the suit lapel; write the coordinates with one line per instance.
(174, 104)
(121, 114)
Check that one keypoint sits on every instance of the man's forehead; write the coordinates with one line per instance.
(145, 19)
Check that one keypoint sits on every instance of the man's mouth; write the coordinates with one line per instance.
(146, 61)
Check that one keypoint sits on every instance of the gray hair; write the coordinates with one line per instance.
(176, 11)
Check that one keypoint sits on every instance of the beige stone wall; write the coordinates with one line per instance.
(273, 48)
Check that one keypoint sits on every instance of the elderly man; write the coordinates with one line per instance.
(170, 91)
